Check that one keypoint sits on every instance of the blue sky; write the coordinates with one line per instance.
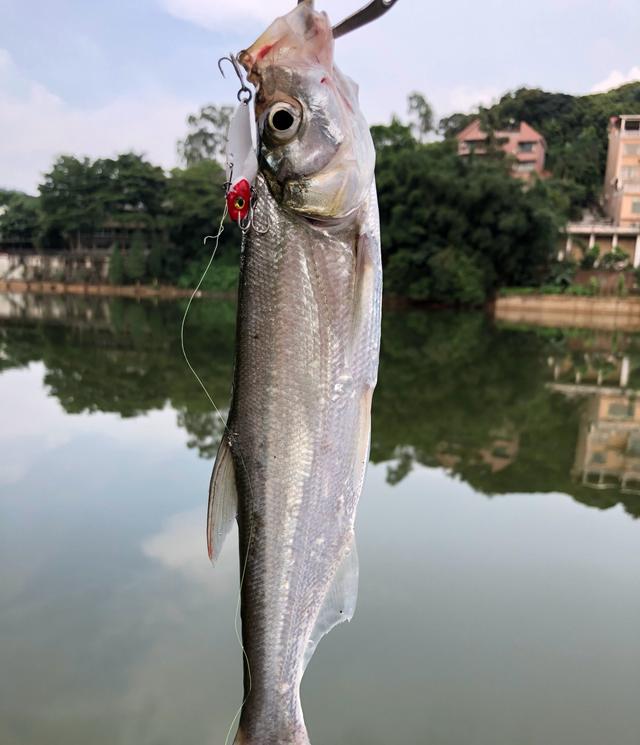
(96, 77)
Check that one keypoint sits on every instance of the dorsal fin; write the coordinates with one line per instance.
(223, 500)
(340, 601)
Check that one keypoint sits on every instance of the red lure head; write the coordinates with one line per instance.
(239, 200)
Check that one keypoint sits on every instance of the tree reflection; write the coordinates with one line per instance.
(505, 409)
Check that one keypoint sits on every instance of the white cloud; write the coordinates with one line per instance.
(36, 126)
(463, 98)
(616, 78)
(214, 14)
(181, 546)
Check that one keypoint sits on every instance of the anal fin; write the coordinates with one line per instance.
(340, 601)
(223, 500)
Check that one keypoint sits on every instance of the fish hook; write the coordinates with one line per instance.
(254, 225)
(244, 94)
(249, 223)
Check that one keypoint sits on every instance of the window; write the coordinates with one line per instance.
(635, 206)
(525, 167)
(526, 147)
(618, 410)
(630, 173)
(632, 149)
(632, 125)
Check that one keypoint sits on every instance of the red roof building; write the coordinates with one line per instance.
(522, 142)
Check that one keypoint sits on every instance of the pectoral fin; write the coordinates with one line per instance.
(340, 601)
(223, 501)
(367, 307)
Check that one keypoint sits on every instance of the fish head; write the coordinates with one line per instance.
(316, 151)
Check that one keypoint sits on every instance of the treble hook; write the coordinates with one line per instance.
(244, 94)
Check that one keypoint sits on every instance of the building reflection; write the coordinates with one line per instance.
(608, 447)
(498, 454)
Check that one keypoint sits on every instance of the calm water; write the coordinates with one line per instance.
(499, 537)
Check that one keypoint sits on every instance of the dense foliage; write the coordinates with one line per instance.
(19, 216)
(456, 229)
(156, 222)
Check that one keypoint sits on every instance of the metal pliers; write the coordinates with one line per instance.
(361, 17)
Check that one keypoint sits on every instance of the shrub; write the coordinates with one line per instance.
(455, 277)
(582, 290)
(562, 274)
(116, 266)
(615, 259)
(590, 258)
(135, 264)
(157, 257)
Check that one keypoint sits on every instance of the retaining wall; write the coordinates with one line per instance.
(569, 311)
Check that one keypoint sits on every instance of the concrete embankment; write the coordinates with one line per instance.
(132, 291)
(569, 311)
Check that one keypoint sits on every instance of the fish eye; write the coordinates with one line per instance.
(283, 122)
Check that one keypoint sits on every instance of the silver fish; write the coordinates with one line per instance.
(292, 465)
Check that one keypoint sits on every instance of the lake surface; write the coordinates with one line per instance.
(499, 536)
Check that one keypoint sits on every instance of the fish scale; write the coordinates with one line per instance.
(295, 457)
(308, 332)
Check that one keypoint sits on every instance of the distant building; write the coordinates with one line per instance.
(522, 142)
(621, 200)
(622, 179)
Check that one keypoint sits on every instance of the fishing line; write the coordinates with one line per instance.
(194, 294)
(239, 638)
(215, 237)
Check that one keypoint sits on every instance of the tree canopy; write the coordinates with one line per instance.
(575, 128)
(453, 230)
(207, 137)
(421, 114)
(19, 217)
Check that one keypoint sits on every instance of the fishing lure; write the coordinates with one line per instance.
(241, 155)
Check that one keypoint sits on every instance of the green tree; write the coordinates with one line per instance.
(71, 199)
(437, 208)
(132, 190)
(136, 263)
(207, 137)
(158, 256)
(194, 208)
(78, 197)
(19, 217)
(452, 125)
(116, 266)
(421, 114)
(392, 136)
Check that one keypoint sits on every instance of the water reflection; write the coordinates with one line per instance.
(486, 621)
(508, 410)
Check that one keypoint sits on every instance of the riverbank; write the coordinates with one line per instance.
(163, 292)
(565, 311)
(558, 311)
